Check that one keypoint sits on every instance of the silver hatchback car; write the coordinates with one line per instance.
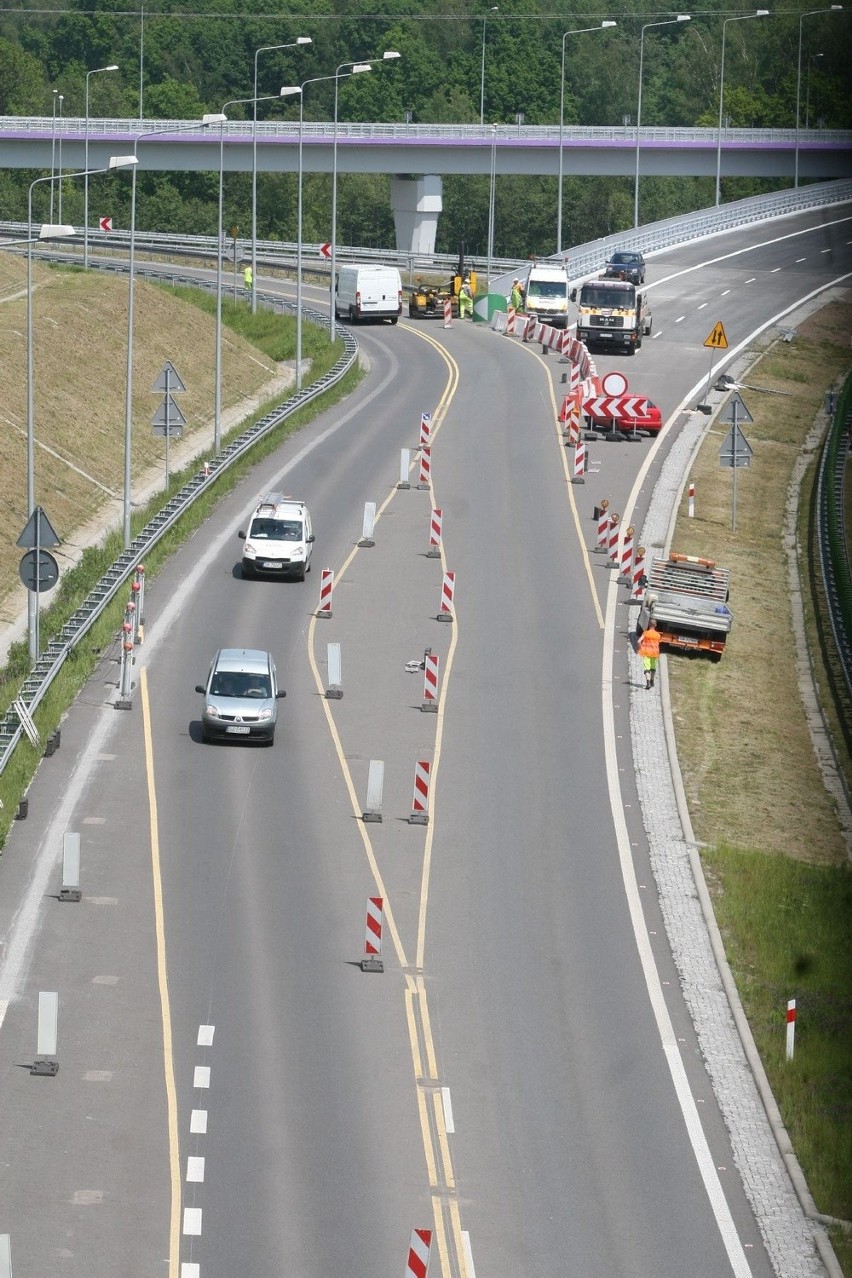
(240, 696)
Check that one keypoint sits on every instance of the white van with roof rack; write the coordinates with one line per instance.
(279, 540)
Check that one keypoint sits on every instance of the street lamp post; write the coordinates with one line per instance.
(579, 31)
(668, 22)
(357, 68)
(835, 8)
(128, 384)
(491, 190)
(494, 9)
(53, 150)
(221, 120)
(60, 100)
(811, 61)
(47, 232)
(89, 74)
(267, 48)
(743, 17)
(388, 56)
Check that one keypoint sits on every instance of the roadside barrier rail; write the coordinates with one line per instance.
(50, 662)
(831, 533)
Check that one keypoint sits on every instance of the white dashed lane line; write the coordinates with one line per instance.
(751, 281)
(724, 292)
(703, 304)
(198, 1122)
(775, 270)
(801, 259)
(680, 319)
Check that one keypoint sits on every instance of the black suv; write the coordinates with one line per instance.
(626, 265)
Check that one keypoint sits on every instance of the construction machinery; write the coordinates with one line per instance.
(427, 301)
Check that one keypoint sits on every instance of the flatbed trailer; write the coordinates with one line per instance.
(687, 600)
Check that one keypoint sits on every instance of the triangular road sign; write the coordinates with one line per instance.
(717, 338)
(736, 449)
(46, 534)
(735, 410)
(176, 417)
(173, 385)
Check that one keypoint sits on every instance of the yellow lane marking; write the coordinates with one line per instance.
(163, 980)
(415, 988)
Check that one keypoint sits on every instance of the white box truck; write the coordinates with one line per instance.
(363, 291)
(547, 295)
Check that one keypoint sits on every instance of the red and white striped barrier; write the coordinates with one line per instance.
(448, 589)
(372, 960)
(326, 587)
(425, 429)
(638, 575)
(573, 431)
(430, 682)
(418, 1253)
(436, 522)
(565, 410)
(691, 500)
(420, 802)
(579, 476)
(425, 467)
(448, 313)
(626, 555)
(138, 589)
(791, 1028)
(603, 527)
(510, 320)
(614, 521)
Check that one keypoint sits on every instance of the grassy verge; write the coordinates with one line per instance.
(273, 334)
(776, 862)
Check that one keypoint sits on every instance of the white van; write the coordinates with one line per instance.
(279, 540)
(547, 295)
(368, 292)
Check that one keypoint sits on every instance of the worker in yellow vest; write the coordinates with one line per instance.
(465, 298)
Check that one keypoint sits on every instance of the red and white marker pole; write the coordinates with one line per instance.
(791, 1028)
(614, 521)
(448, 589)
(448, 313)
(425, 429)
(418, 1253)
(430, 682)
(326, 588)
(638, 576)
(436, 522)
(425, 467)
(510, 320)
(624, 576)
(372, 960)
(579, 476)
(691, 500)
(420, 803)
(603, 527)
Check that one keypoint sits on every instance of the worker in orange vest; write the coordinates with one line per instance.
(649, 651)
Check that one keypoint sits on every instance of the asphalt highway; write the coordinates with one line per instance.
(235, 1096)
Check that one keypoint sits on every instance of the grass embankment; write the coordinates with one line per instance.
(259, 341)
(776, 861)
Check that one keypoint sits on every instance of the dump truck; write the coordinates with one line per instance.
(686, 598)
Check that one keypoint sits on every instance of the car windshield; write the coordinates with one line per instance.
(608, 298)
(546, 288)
(240, 683)
(276, 530)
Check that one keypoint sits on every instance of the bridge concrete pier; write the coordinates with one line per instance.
(416, 203)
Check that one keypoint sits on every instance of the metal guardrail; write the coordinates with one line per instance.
(50, 662)
(831, 533)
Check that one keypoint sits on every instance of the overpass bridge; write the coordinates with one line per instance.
(418, 155)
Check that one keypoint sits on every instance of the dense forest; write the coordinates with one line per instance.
(178, 63)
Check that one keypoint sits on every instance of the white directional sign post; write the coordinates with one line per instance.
(168, 420)
(736, 451)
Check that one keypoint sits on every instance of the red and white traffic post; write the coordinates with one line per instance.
(791, 1028)
(138, 589)
(436, 521)
(448, 313)
(603, 527)
(638, 576)
(579, 476)
(372, 960)
(125, 681)
(425, 467)
(425, 429)
(326, 588)
(510, 320)
(614, 521)
(691, 500)
(418, 1253)
(624, 576)
(430, 682)
(420, 802)
(448, 589)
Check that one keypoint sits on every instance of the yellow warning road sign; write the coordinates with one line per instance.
(717, 338)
